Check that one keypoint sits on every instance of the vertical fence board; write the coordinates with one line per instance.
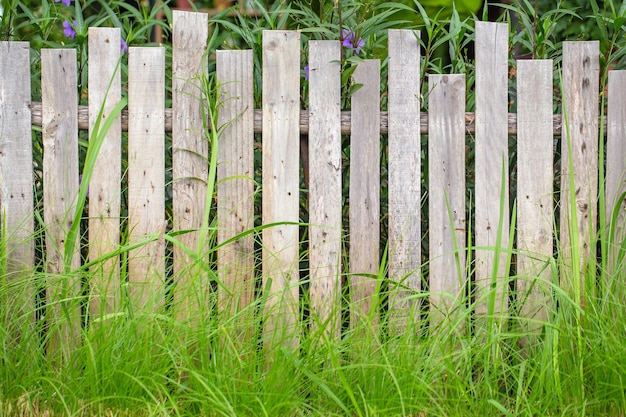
(325, 200)
(235, 183)
(16, 183)
(364, 211)
(146, 174)
(446, 203)
(581, 71)
(404, 177)
(104, 187)
(492, 167)
(535, 177)
(59, 97)
(189, 159)
(281, 175)
(616, 160)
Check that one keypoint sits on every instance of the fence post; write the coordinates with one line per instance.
(59, 125)
(535, 182)
(492, 169)
(190, 150)
(581, 79)
(146, 176)
(235, 189)
(446, 191)
(616, 163)
(405, 240)
(16, 186)
(325, 185)
(281, 185)
(364, 210)
(104, 188)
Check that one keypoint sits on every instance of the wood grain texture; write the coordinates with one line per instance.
(235, 183)
(404, 178)
(364, 211)
(492, 167)
(616, 160)
(581, 68)
(446, 197)
(59, 97)
(281, 181)
(325, 186)
(146, 176)
(16, 179)
(190, 150)
(104, 187)
(535, 181)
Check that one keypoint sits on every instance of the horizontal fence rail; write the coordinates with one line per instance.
(470, 242)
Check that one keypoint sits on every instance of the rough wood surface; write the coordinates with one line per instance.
(16, 179)
(491, 167)
(281, 182)
(325, 186)
(364, 210)
(446, 197)
(581, 68)
(235, 183)
(346, 116)
(104, 187)
(59, 96)
(535, 180)
(404, 178)
(189, 160)
(616, 159)
(146, 175)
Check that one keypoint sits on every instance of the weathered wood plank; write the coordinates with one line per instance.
(190, 149)
(16, 184)
(281, 175)
(104, 187)
(146, 175)
(59, 97)
(616, 160)
(579, 182)
(535, 178)
(492, 167)
(404, 178)
(364, 195)
(446, 202)
(235, 184)
(470, 121)
(325, 186)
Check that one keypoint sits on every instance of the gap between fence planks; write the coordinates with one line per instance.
(346, 121)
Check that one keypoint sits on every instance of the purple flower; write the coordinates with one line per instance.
(123, 46)
(306, 72)
(351, 41)
(68, 29)
(66, 2)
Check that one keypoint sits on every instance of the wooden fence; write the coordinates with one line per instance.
(281, 122)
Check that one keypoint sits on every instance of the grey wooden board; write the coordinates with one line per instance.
(364, 211)
(325, 186)
(404, 178)
(16, 176)
(491, 166)
(235, 182)
(581, 68)
(446, 197)
(616, 159)
(281, 175)
(59, 97)
(146, 176)
(189, 160)
(104, 188)
(535, 181)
